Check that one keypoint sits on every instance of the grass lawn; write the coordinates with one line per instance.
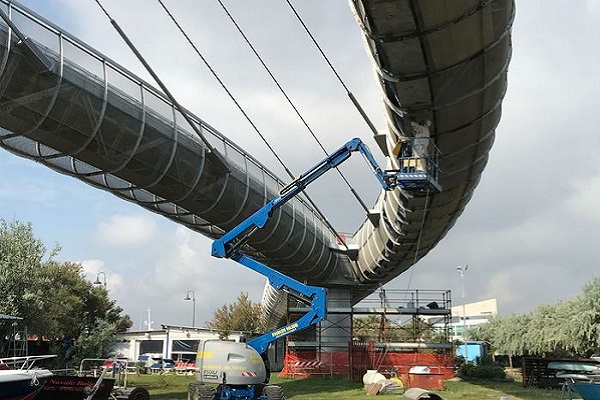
(174, 387)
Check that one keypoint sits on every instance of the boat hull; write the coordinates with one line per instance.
(587, 391)
(62, 387)
(21, 385)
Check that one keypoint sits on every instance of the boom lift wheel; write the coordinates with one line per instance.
(206, 392)
(200, 391)
(273, 392)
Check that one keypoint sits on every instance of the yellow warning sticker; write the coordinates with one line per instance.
(205, 355)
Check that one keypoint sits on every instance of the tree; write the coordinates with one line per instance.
(584, 314)
(370, 328)
(100, 341)
(568, 328)
(84, 317)
(382, 329)
(54, 299)
(243, 315)
(22, 285)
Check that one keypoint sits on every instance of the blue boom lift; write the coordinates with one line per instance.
(239, 369)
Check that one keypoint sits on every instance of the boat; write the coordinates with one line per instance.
(581, 376)
(70, 387)
(110, 384)
(587, 390)
(20, 379)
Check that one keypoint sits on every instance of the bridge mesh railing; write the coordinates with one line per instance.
(122, 135)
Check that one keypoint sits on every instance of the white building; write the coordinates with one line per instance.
(172, 342)
(180, 343)
(476, 314)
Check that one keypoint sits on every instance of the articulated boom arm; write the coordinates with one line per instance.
(227, 246)
(236, 237)
(313, 295)
(387, 179)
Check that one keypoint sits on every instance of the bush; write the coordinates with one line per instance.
(458, 362)
(470, 371)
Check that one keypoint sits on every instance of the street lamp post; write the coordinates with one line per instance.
(462, 269)
(97, 281)
(193, 299)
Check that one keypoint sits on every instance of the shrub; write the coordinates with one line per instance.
(470, 371)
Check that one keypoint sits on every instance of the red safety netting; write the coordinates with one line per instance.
(361, 357)
(301, 364)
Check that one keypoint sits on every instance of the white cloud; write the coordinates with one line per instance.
(92, 267)
(185, 250)
(583, 204)
(97, 271)
(126, 230)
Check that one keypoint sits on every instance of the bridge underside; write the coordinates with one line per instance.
(441, 66)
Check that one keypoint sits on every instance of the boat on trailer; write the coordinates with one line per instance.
(110, 384)
(587, 390)
(581, 377)
(20, 379)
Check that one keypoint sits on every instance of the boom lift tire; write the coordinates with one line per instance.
(206, 392)
(274, 392)
(200, 391)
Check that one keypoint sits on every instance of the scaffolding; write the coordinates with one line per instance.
(17, 345)
(15, 335)
(407, 328)
(416, 318)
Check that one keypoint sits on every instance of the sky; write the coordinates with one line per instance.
(529, 235)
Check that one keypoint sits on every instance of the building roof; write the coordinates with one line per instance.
(9, 317)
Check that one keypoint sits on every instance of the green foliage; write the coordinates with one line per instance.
(376, 328)
(21, 282)
(566, 329)
(585, 311)
(459, 361)
(483, 369)
(243, 315)
(54, 299)
(95, 344)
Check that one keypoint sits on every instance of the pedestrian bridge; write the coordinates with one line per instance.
(442, 69)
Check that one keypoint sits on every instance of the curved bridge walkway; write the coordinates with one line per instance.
(442, 70)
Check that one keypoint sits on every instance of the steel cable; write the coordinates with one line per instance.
(263, 138)
(289, 100)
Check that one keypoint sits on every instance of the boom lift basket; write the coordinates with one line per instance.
(417, 164)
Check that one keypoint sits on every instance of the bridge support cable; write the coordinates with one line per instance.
(225, 88)
(212, 151)
(247, 117)
(337, 75)
(418, 244)
(290, 102)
